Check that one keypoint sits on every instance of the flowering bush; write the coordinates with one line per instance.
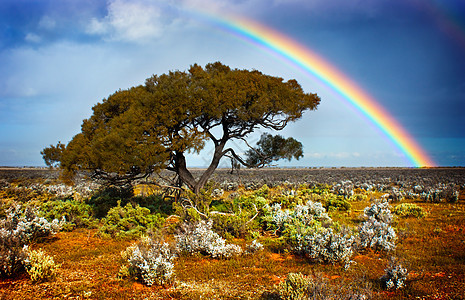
(377, 235)
(39, 265)
(395, 276)
(17, 230)
(150, 260)
(200, 238)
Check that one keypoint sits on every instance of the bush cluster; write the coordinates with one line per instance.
(128, 221)
(302, 216)
(75, 212)
(200, 238)
(17, 230)
(149, 260)
(307, 230)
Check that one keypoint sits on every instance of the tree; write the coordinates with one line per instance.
(136, 132)
(272, 148)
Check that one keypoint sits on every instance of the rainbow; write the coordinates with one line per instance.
(311, 63)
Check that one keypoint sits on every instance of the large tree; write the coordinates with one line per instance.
(136, 132)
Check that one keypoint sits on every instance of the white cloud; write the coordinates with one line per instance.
(32, 38)
(133, 21)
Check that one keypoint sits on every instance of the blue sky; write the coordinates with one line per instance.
(59, 58)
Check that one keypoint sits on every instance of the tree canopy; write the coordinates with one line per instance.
(144, 129)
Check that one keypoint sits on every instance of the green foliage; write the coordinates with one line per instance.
(295, 287)
(272, 148)
(40, 266)
(409, 210)
(76, 213)
(333, 202)
(240, 217)
(128, 221)
(108, 198)
(151, 127)
(264, 191)
(300, 287)
(52, 155)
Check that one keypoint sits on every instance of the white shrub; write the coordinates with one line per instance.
(376, 232)
(153, 261)
(254, 247)
(395, 276)
(377, 235)
(379, 211)
(200, 238)
(325, 245)
(304, 215)
(17, 230)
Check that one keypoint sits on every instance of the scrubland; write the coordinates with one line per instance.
(257, 234)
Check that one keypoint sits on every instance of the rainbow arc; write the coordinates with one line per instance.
(318, 67)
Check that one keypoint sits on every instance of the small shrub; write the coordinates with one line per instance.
(379, 211)
(394, 276)
(255, 246)
(76, 213)
(376, 232)
(40, 266)
(200, 238)
(149, 260)
(336, 203)
(325, 245)
(18, 229)
(377, 235)
(296, 286)
(409, 210)
(299, 287)
(129, 221)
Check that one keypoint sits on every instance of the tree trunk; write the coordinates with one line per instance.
(183, 172)
(211, 168)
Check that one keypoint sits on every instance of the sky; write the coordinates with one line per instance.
(58, 58)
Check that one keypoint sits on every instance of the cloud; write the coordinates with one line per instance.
(131, 21)
(32, 38)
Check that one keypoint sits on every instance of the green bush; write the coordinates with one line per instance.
(129, 221)
(333, 202)
(409, 210)
(108, 198)
(299, 287)
(296, 286)
(76, 213)
(40, 266)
